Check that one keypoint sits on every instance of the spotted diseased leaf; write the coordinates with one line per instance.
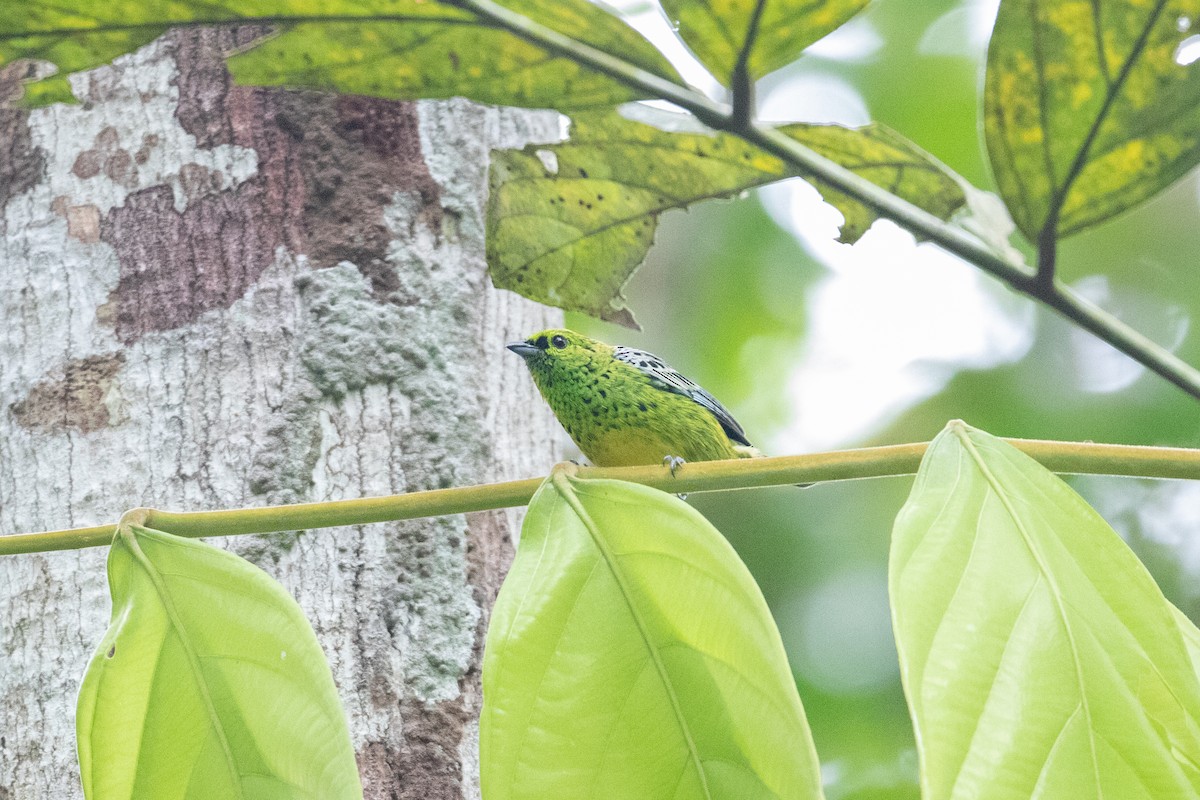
(399, 49)
(1086, 110)
(717, 30)
(1039, 658)
(568, 224)
(631, 655)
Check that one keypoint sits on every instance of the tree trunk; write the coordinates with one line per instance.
(214, 296)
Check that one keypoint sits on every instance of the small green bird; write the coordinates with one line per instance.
(625, 407)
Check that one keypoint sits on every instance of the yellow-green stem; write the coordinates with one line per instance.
(707, 476)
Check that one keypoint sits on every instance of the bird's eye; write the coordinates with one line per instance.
(559, 341)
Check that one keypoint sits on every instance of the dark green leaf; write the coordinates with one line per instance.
(716, 30)
(1087, 113)
(399, 48)
(631, 655)
(451, 53)
(1039, 657)
(569, 223)
(208, 683)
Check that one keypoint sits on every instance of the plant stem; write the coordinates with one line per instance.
(701, 476)
(742, 82)
(806, 162)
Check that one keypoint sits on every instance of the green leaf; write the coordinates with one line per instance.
(208, 683)
(1086, 111)
(717, 30)
(1039, 658)
(401, 49)
(631, 655)
(568, 224)
(444, 52)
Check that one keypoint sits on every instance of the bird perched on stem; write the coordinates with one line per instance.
(625, 407)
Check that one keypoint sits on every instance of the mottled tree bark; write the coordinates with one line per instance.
(214, 296)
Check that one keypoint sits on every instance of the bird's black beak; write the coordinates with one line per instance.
(523, 349)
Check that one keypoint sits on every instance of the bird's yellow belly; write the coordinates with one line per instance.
(626, 449)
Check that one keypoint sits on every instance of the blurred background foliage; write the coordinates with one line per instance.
(814, 345)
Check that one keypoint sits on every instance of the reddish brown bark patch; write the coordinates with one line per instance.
(327, 167)
(358, 152)
(175, 266)
(427, 766)
(21, 164)
(74, 401)
(352, 154)
(83, 222)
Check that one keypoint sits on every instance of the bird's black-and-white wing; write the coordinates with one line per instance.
(670, 379)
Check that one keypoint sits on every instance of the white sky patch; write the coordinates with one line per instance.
(1188, 51)
(857, 40)
(963, 31)
(814, 97)
(1171, 516)
(649, 20)
(889, 326)
(1100, 367)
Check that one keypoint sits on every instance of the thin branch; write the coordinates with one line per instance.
(803, 160)
(1047, 252)
(741, 82)
(702, 476)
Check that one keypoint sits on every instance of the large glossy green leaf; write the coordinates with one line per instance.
(1039, 657)
(208, 683)
(631, 655)
(1086, 110)
(569, 223)
(717, 30)
(398, 49)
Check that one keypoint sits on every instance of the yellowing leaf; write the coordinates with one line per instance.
(569, 223)
(631, 655)
(386, 48)
(442, 51)
(1086, 110)
(208, 683)
(1039, 658)
(717, 30)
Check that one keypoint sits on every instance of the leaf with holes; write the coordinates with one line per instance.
(630, 654)
(1087, 110)
(772, 32)
(386, 48)
(1039, 657)
(569, 223)
(208, 683)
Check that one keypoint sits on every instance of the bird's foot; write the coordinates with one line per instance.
(673, 463)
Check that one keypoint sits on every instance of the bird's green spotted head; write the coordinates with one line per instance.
(557, 351)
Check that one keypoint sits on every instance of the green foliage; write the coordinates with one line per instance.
(718, 31)
(1086, 111)
(1038, 655)
(442, 51)
(388, 48)
(631, 655)
(208, 683)
(569, 223)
